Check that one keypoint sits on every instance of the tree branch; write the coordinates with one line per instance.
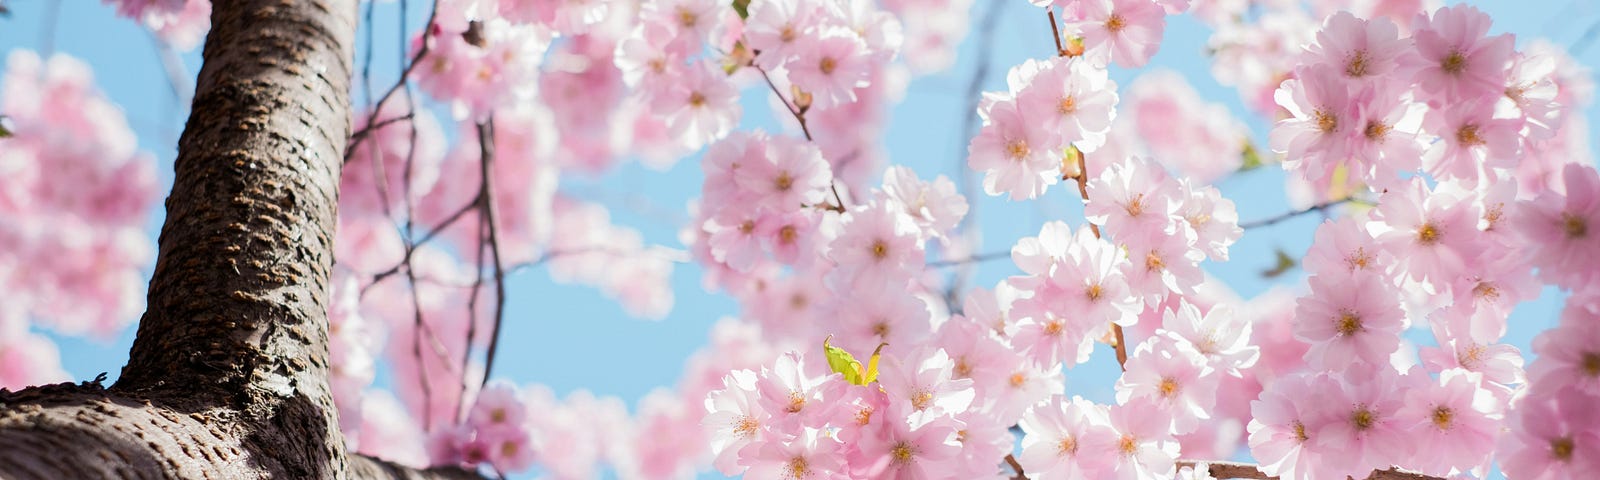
(1012, 461)
(969, 128)
(800, 116)
(1222, 470)
(486, 199)
(976, 258)
(1265, 222)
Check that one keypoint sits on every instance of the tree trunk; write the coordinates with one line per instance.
(228, 375)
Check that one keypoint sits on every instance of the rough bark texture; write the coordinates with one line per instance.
(228, 375)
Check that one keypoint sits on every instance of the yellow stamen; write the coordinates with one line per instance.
(1454, 63)
(1442, 416)
(1429, 234)
(1349, 323)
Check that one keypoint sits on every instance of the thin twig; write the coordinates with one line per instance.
(47, 35)
(1082, 178)
(486, 197)
(1285, 216)
(172, 66)
(800, 116)
(1012, 460)
(362, 134)
(1055, 31)
(969, 127)
(977, 258)
(472, 316)
(411, 247)
(411, 65)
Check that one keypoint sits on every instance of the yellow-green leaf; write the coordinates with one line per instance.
(743, 7)
(872, 365)
(844, 363)
(3, 131)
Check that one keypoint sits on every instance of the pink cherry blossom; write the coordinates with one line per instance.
(1551, 436)
(1316, 136)
(1344, 245)
(1456, 423)
(1285, 426)
(831, 66)
(1562, 226)
(1222, 337)
(1174, 378)
(1472, 141)
(906, 450)
(866, 318)
(1142, 448)
(1125, 31)
(1071, 97)
(1017, 157)
(1213, 219)
(1359, 48)
(935, 206)
(736, 420)
(794, 397)
(1569, 354)
(921, 384)
(1454, 59)
(776, 28)
(811, 454)
(1432, 233)
(1134, 196)
(1349, 318)
(1366, 431)
(700, 107)
(877, 247)
(1066, 439)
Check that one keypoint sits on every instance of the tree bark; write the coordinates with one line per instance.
(228, 376)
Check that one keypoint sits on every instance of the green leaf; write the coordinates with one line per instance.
(3, 131)
(743, 7)
(844, 363)
(1285, 263)
(1252, 158)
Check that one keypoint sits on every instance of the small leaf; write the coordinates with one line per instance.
(743, 7)
(1252, 158)
(4, 132)
(1283, 265)
(872, 364)
(843, 362)
(1070, 159)
(736, 59)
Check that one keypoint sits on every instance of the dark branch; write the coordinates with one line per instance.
(486, 199)
(1265, 222)
(1223, 470)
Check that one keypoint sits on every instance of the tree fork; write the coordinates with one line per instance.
(228, 376)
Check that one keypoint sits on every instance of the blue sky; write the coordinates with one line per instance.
(550, 327)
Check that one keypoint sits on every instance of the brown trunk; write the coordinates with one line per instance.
(228, 375)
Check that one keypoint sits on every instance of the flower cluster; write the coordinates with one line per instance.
(1370, 102)
(179, 23)
(1052, 105)
(74, 190)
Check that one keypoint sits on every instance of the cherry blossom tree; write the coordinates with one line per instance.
(310, 237)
